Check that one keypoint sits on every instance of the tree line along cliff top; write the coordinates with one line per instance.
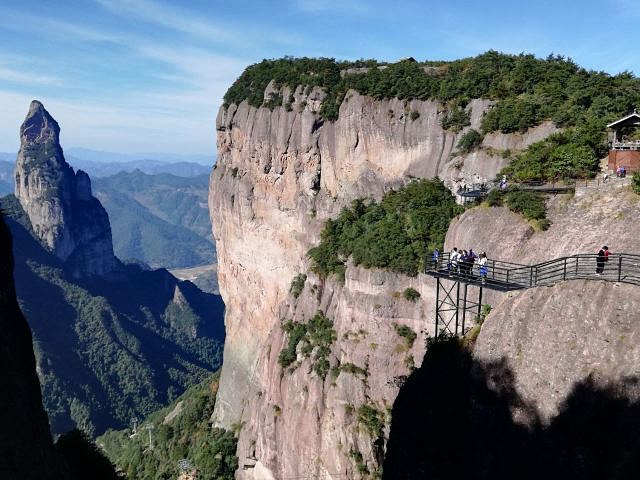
(528, 90)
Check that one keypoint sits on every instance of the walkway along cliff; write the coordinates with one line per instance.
(281, 173)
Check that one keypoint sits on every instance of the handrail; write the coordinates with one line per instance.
(503, 275)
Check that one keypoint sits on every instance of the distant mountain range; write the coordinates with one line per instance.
(103, 164)
(109, 157)
(158, 211)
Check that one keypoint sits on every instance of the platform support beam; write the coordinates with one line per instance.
(452, 304)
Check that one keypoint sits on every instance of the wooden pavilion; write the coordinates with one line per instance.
(624, 151)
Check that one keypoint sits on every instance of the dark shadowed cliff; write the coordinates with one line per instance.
(26, 448)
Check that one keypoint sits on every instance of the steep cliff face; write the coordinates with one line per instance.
(26, 448)
(280, 174)
(65, 216)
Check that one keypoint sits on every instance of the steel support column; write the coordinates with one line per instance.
(450, 302)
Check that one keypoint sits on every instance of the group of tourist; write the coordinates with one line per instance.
(621, 171)
(462, 262)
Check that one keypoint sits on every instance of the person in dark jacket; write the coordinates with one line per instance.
(600, 262)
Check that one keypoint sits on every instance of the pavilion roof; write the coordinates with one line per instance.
(635, 115)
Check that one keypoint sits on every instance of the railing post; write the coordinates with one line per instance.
(437, 305)
(507, 280)
(530, 277)
(620, 268)
(564, 271)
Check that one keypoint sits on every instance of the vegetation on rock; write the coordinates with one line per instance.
(372, 419)
(395, 234)
(470, 140)
(407, 333)
(530, 204)
(455, 119)
(315, 338)
(297, 285)
(635, 182)
(573, 153)
(411, 294)
(211, 451)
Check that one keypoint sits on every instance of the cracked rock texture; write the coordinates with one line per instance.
(280, 174)
(65, 216)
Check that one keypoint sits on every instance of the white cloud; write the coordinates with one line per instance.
(357, 7)
(169, 17)
(126, 128)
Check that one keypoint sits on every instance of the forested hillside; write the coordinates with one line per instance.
(180, 431)
(108, 349)
(161, 220)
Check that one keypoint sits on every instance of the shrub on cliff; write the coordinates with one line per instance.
(396, 234)
(411, 294)
(315, 338)
(455, 119)
(470, 140)
(573, 153)
(529, 204)
(297, 285)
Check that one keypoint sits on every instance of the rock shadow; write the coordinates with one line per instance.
(454, 418)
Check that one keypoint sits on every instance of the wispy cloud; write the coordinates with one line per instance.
(169, 17)
(52, 28)
(22, 77)
(357, 7)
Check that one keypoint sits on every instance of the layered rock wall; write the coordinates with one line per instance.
(280, 174)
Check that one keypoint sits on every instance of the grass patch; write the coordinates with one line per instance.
(406, 333)
(411, 294)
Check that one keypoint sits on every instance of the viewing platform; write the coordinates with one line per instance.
(453, 303)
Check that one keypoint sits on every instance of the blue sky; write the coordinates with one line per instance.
(149, 75)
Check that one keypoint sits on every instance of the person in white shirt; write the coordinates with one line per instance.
(482, 262)
(453, 260)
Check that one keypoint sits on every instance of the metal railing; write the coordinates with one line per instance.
(501, 275)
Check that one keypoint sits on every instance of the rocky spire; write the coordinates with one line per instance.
(64, 215)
